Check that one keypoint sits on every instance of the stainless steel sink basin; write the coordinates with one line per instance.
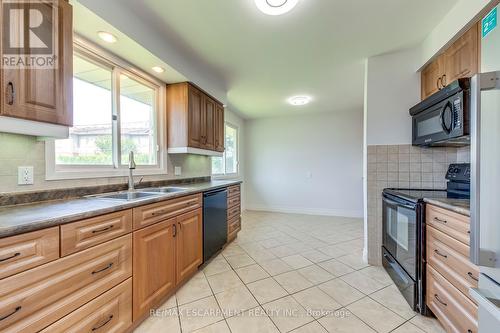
(127, 196)
(166, 189)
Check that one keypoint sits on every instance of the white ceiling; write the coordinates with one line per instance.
(317, 49)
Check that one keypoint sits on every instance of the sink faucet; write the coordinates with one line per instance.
(131, 168)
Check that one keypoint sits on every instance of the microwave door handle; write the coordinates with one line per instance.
(441, 117)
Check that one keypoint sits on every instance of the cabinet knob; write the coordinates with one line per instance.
(439, 83)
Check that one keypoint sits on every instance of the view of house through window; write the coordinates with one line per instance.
(94, 138)
(228, 163)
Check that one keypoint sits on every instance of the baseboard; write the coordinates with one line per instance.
(306, 211)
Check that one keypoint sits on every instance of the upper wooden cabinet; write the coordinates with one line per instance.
(44, 95)
(194, 120)
(460, 60)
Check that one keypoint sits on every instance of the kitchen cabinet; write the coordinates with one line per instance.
(194, 121)
(233, 212)
(460, 60)
(189, 244)
(43, 95)
(153, 265)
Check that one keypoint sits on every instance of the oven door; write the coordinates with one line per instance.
(400, 232)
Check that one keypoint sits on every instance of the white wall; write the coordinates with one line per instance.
(239, 122)
(392, 88)
(280, 152)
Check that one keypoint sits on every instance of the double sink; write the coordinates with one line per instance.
(139, 194)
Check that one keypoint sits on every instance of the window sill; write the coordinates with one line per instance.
(92, 173)
(226, 176)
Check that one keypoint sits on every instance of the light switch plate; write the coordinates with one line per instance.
(177, 171)
(25, 175)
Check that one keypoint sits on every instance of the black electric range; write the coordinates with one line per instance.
(403, 239)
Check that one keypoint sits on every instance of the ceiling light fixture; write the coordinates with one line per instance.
(275, 7)
(107, 37)
(158, 69)
(299, 100)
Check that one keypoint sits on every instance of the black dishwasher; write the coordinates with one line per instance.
(214, 222)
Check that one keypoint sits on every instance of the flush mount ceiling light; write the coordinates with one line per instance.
(299, 100)
(158, 69)
(107, 37)
(275, 7)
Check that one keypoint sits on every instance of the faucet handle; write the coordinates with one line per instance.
(131, 162)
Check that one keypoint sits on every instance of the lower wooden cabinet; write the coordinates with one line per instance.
(111, 313)
(189, 244)
(154, 265)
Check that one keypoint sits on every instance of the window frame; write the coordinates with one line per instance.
(226, 175)
(118, 66)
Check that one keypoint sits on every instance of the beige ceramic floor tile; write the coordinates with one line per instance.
(216, 266)
(341, 291)
(408, 328)
(344, 322)
(336, 267)
(377, 316)
(297, 261)
(317, 302)
(224, 281)
(266, 290)
(251, 273)
(283, 251)
(199, 314)
(170, 303)
(313, 327)
(391, 298)
(233, 250)
(261, 255)
(293, 282)
(252, 321)
(377, 273)
(220, 327)
(428, 325)
(315, 274)
(276, 266)
(240, 260)
(235, 301)
(316, 256)
(332, 251)
(193, 290)
(353, 260)
(287, 314)
(168, 322)
(362, 282)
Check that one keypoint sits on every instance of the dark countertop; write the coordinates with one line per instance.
(19, 219)
(460, 206)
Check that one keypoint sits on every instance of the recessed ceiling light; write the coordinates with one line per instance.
(299, 100)
(107, 37)
(275, 7)
(158, 69)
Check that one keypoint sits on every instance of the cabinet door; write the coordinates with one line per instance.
(153, 266)
(219, 128)
(44, 95)
(431, 77)
(207, 124)
(189, 244)
(462, 58)
(195, 108)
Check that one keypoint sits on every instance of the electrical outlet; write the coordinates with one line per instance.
(177, 171)
(25, 175)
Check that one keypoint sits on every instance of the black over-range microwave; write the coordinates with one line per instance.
(443, 118)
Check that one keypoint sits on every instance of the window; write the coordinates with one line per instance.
(228, 163)
(115, 111)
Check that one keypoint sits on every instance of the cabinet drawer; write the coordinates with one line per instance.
(165, 210)
(443, 256)
(452, 224)
(31, 300)
(81, 235)
(234, 224)
(456, 312)
(111, 313)
(233, 201)
(22, 252)
(233, 190)
(233, 212)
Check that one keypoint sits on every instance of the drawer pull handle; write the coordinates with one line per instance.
(440, 301)
(439, 220)
(17, 254)
(102, 230)
(10, 314)
(440, 254)
(158, 212)
(175, 230)
(472, 276)
(103, 324)
(103, 269)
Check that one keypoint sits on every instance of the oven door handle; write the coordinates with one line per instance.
(396, 268)
(398, 203)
